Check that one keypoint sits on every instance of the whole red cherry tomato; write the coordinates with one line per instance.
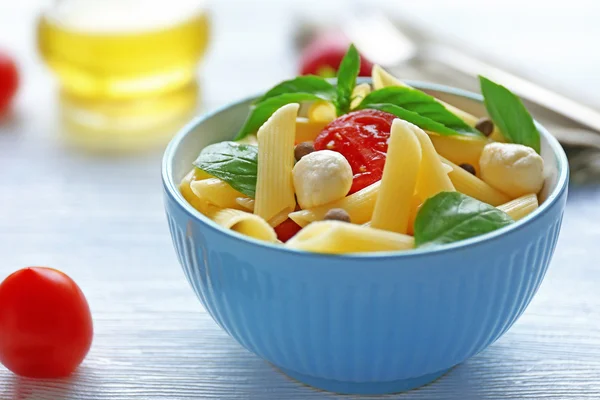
(286, 230)
(9, 81)
(45, 323)
(360, 136)
(324, 54)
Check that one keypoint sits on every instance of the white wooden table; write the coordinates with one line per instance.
(101, 221)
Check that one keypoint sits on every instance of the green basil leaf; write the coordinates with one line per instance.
(303, 84)
(261, 112)
(233, 163)
(421, 103)
(346, 80)
(452, 216)
(414, 118)
(509, 114)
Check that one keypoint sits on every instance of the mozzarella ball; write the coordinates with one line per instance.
(514, 169)
(321, 177)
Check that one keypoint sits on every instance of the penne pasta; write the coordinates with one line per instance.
(244, 223)
(322, 112)
(433, 176)
(459, 150)
(382, 78)
(249, 139)
(393, 204)
(415, 206)
(359, 207)
(200, 175)
(520, 207)
(359, 93)
(337, 237)
(307, 130)
(496, 136)
(245, 203)
(469, 184)
(447, 168)
(217, 192)
(186, 191)
(274, 187)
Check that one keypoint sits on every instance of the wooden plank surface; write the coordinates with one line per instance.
(101, 221)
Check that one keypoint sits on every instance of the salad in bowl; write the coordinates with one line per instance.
(355, 168)
(365, 237)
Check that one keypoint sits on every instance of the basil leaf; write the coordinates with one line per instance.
(303, 84)
(421, 103)
(233, 163)
(452, 216)
(346, 80)
(509, 114)
(262, 111)
(414, 118)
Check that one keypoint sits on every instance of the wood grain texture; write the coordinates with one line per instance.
(101, 221)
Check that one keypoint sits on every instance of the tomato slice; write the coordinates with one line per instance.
(45, 323)
(286, 230)
(362, 137)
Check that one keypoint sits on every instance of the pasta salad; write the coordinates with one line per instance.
(350, 168)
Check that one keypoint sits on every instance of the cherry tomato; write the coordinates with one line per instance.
(45, 323)
(286, 230)
(361, 137)
(9, 81)
(324, 55)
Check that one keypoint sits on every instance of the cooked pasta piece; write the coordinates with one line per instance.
(433, 177)
(245, 223)
(359, 207)
(337, 237)
(186, 191)
(392, 207)
(274, 187)
(322, 111)
(359, 93)
(245, 203)
(520, 207)
(459, 150)
(200, 174)
(307, 130)
(249, 139)
(496, 136)
(415, 205)
(217, 192)
(469, 184)
(382, 78)
(447, 168)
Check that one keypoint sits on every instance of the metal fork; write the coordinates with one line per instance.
(384, 43)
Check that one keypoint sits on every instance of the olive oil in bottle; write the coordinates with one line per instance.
(127, 68)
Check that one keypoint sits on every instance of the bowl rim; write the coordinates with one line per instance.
(172, 190)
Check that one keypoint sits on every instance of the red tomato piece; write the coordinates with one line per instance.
(45, 323)
(9, 81)
(286, 230)
(362, 137)
(324, 54)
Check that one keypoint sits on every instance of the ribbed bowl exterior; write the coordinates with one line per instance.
(365, 319)
(362, 324)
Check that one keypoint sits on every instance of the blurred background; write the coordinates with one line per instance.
(84, 64)
(104, 84)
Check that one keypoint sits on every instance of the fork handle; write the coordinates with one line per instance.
(525, 89)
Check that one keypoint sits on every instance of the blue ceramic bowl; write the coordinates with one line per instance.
(379, 323)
